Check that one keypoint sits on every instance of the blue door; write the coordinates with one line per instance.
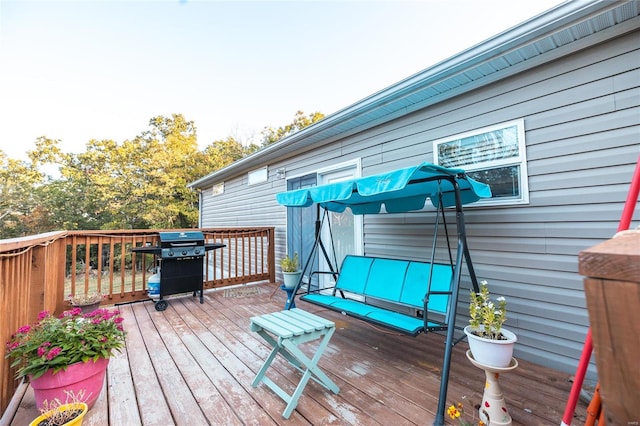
(301, 223)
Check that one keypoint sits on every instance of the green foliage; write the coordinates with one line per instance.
(300, 121)
(486, 316)
(137, 184)
(289, 264)
(20, 185)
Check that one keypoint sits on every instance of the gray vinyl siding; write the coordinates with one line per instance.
(581, 115)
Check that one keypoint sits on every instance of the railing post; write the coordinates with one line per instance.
(36, 291)
(56, 256)
(612, 289)
(271, 257)
(46, 282)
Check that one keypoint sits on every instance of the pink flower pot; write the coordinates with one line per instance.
(87, 376)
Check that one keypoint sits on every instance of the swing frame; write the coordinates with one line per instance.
(362, 199)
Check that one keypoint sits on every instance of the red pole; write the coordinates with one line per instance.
(578, 380)
(632, 199)
(625, 221)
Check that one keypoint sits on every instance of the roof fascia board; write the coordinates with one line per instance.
(583, 43)
(557, 19)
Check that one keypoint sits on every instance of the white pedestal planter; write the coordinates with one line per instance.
(493, 410)
(494, 353)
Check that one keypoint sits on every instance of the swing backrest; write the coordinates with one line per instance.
(404, 282)
(354, 274)
(413, 293)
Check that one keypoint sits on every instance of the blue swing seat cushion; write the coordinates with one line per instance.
(401, 282)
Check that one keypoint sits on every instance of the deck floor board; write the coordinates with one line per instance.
(193, 364)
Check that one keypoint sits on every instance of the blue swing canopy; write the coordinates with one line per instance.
(399, 190)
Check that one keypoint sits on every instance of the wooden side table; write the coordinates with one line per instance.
(284, 331)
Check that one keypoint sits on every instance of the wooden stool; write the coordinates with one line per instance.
(290, 329)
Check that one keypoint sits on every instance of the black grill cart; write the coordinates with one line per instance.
(181, 258)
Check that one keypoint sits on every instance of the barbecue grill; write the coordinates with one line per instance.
(181, 255)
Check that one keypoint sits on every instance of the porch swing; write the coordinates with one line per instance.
(425, 292)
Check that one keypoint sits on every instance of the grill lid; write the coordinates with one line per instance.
(181, 244)
(168, 239)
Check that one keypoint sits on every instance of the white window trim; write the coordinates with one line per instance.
(257, 176)
(321, 173)
(350, 164)
(217, 189)
(520, 160)
(356, 166)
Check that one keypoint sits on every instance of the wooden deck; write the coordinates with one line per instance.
(193, 365)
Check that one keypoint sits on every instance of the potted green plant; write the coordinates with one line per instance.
(291, 273)
(490, 343)
(86, 302)
(69, 352)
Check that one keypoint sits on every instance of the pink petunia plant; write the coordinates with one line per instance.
(57, 342)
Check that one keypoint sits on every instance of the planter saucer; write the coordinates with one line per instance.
(512, 365)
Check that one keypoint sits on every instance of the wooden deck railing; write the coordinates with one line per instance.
(39, 272)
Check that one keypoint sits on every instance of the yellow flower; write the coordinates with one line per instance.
(456, 411)
(453, 412)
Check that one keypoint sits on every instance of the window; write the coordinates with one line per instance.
(257, 176)
(218, 189)
(345, 227)
(494, 155)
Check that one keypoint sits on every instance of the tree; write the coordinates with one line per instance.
(137, 184)
(300, 121)
(220, 154)
(21, 186)
(101, 186)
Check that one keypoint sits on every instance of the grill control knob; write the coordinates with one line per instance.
(184, 252)
(170, 253)
(197, 251)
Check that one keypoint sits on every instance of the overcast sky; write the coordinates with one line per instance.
(82, 70)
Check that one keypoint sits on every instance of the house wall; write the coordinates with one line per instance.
(582, 130)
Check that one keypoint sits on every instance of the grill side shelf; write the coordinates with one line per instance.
(158, 250)
(151, 250)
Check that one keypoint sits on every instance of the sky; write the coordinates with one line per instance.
(81, 70)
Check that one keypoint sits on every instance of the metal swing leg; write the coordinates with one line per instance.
(448, 350)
